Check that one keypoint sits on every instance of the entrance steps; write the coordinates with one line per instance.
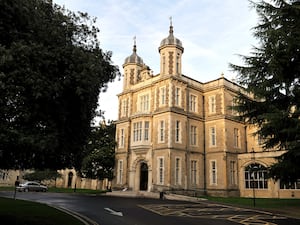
(134, 194)
(155, 195)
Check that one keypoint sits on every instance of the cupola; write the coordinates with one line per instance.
(170, 51)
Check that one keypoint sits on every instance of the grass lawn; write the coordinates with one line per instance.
(19, 212)
(289, 207)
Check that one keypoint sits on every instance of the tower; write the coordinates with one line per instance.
(170, 51)
(132, 66)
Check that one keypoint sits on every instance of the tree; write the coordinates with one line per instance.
(41, 175)
(51, 73)
(100, 153)
(272, 76)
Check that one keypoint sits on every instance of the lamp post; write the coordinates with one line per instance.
(253, 187)
(253, 170)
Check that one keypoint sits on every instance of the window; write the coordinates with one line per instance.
(193, 172)
(177, 131)
(212, 104)
(164, 64)
(177, 171)
(144, 103)
(193, 135)
(120, 172)
(161, 170)
(212, 137)
(141, 132)
(232, 173)
(162, 93)
(3, 175)
(161, 132)
(122, 138)
(177, 96)
(236, 137)
(146, 131)
(137, 131)
(213, 172)
(177, 64)
(256, 176)
(193, 103)
(124, 109)
(290, 185)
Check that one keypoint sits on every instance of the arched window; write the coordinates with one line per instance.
(256, 176)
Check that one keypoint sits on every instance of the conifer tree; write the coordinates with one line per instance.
(271, 75)
(52, 70)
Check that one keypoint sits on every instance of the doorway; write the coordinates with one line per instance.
(70, 178)
(144, 177)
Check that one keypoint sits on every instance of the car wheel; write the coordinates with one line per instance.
(26, 190)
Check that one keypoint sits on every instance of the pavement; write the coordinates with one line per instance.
(157, 195)
(131, 194)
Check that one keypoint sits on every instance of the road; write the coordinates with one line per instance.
(106, 210)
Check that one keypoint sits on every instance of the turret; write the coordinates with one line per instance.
(170, 51)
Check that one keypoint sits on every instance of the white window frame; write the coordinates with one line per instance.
(160, 170)
(120, 172)
(146, 130)
(193, 103)
(213, 172)
(212, 136)
(162, 96)
(137, 131)
(212, 104)
(193, 135)
(177, 171)
(124, 111)
(161, 131)
(141, 131)
(178, 131)
(177, 96)
(122, 138)
(233, 173)
(194, 172)
(236, 137)
(144, 102)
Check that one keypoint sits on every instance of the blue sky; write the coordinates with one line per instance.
(213, 33)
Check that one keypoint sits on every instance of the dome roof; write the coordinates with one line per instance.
(134, 58)
(171, 40)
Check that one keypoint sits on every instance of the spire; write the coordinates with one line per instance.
(134, 44)
(170, 40)
(171, 31)
(134, 58)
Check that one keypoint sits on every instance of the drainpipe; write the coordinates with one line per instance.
(204, 148)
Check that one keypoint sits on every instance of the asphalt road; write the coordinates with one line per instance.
(106, 210)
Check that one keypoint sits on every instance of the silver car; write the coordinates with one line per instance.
(32, 186)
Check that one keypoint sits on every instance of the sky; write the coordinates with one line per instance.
(213, 34)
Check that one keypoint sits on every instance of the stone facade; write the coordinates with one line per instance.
(177, 134)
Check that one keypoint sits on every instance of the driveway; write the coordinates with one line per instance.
(109, 210)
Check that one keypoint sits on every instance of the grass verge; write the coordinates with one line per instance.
(20, 212)
(288, 207)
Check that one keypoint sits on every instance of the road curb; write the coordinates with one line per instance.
(85, 220)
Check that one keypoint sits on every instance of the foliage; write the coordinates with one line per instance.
(100, 153)
(15, 211)
(51, 73)
(271, 75)
(41, 175)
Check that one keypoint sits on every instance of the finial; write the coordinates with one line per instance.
(134, 43)
(171, 26)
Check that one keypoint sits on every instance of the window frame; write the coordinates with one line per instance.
(212, 108)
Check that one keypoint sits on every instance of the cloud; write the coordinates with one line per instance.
(212, 33)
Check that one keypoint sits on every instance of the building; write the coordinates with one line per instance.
(177, 134)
